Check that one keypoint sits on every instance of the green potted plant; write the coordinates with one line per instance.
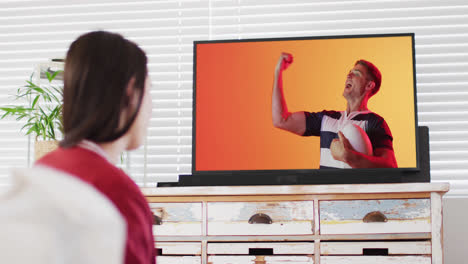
(41, 110)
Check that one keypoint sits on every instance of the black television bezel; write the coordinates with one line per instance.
(271, 176)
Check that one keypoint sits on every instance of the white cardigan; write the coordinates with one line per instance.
(47, 216)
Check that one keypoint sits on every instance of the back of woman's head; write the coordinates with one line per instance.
(97, 102)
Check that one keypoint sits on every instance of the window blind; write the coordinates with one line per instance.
(32, 32)
(441, 47)
(35, 31)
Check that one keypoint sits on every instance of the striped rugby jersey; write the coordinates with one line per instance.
(326, 124)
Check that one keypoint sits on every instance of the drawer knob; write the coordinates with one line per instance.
(260, 260)
(157, 220)
(375, 217)
(260, 219)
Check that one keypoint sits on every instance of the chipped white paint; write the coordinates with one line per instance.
(317, 251)
(178, 219)
(394, 248)
(178, 260)
(232, 218)
(284, 248)
(243, 228)
(260, 259)
(375, 260)
(179, 248)
(177, 211)
(437, 239)
(177, 229)
(359, 227)
(403, 216)
(297, 189)
(301, 228)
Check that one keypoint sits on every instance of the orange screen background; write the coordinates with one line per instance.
(234, 83)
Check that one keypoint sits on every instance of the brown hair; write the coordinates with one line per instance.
(98, 68)
(373, 73)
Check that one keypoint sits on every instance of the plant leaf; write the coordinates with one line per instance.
(21, 116)
(27, 125)
(43, 131)
(49, 94)
(52, 77)
(58, 90)
(31, 129)
(48, 75)
(31, 85)
(30, 120)
(16, 110)
(4, 115)
(51, 130)
(38, 89)
(41, 120)
(34, 128)
(42, 112)
(35, 101)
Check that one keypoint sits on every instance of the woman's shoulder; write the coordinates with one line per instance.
(94, 169)
(88, 166)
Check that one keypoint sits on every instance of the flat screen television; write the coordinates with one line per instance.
(235, 141)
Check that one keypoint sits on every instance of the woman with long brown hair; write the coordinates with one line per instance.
(106, 110)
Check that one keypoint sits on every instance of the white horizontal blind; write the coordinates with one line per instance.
(34, 31)
(441, 38)
(168, 150)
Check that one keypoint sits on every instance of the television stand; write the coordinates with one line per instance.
(321, 224)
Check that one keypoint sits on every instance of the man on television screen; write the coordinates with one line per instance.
(355, 138)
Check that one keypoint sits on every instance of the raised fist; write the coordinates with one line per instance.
(284, 61)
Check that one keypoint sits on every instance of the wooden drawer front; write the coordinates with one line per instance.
(288, 218)
(375, 260)
(360, 248)
(177, 219)
(178, 248)
(286, 248)
(178, 260)
(260, 259)
(385, 216)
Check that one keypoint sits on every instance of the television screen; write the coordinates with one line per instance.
(304, 104)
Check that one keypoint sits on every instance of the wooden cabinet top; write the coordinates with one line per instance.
(298, 189)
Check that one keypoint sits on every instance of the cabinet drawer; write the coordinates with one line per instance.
(363, 248)
(178, 248)
(177, 219)
(178, 260)
(260, 259)
(283, 248)
(375, 259)
(375, 216)
(261, 218)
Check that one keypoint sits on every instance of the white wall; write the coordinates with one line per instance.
(455, 230)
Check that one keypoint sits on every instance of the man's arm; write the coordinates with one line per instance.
(342, 150)
(282, 118)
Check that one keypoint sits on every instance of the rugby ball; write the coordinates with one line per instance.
(358, 139)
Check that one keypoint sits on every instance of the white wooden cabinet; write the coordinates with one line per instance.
(321, 224)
